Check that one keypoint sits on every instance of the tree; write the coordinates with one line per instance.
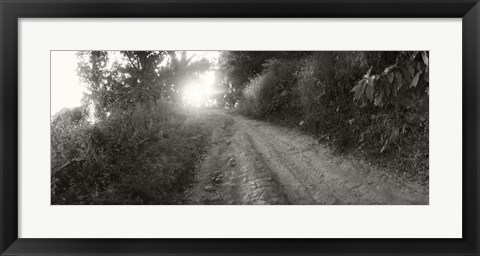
(92, 70)
(182, 70)
(138, 77)
(239, 67)
(142, 76)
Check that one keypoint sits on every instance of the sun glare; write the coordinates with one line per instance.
(195, 95)
(67, 90)
(198, 94)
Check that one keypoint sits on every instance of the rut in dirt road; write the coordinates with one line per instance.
(252, 162)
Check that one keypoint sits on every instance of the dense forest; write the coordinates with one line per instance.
(375, 102)
(134, 140)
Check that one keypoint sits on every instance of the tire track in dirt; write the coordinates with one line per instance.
(252, 162)
(231, 172)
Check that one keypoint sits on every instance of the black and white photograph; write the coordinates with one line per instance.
(189, 127)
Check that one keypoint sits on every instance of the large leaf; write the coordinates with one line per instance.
(359, 89)
(411, 69)
(379, 99)
(425, 58)
(389, 68)
(368, 73)
(390, 77)
(394, 90)
(386, 88)
(370, 90)
(398, 80)
(407, 80)
(425, 76)
(415, 79)
(412, 57)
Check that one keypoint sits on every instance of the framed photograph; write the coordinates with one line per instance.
(225, 127)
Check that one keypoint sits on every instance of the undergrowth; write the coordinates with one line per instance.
(387, 121)
(144, 156)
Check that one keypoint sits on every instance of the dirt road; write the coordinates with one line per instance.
(253, 162)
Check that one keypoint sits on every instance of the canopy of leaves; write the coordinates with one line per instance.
(239, 67)
(135, 77)
(140, 149)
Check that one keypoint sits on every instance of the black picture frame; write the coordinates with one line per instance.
(11, 11)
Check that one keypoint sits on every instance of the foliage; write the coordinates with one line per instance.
(271, 92)
(179, 71)
(93, 71)
(391, 86)
(144, 157)
(238, 68)
(375, 102)
(142, 76)
(127, 144)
